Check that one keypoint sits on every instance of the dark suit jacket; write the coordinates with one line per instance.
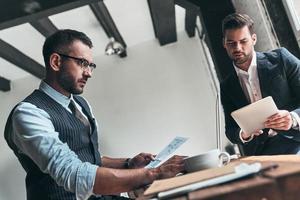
(279, 77)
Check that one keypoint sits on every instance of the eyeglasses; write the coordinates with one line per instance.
(82, 62)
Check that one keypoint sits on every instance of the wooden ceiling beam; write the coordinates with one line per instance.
(4, 84)
(44, 26)
(16, 12)
(16, 57)
(191, 13)
(163, 20)
(103, 16)
(190, 21)
(187, 4)
(211, 14)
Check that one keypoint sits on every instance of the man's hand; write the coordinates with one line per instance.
(247, 136)
(175, 160)
(282, 120)
(140, 160)
(171, 167)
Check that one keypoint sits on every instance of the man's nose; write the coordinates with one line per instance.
(238, 46)
(88, 72)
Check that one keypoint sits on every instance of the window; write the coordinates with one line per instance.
(292, 8)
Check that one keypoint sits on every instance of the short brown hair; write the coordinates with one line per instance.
(61, 40)
(235, 21)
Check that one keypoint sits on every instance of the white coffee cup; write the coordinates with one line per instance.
(210, 159)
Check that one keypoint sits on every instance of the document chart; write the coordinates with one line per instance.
(167, 152)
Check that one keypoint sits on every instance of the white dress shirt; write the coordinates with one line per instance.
(249, 80)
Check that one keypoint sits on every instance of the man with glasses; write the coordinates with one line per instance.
(54, 135)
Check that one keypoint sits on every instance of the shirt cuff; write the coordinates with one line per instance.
(243, 140)
(85, 181)
(297, 118)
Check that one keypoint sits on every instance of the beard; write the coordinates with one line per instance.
(241, 60)
(68, 82)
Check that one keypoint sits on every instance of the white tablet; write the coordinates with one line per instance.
(252, 117)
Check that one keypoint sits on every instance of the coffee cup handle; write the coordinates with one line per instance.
(224, 158)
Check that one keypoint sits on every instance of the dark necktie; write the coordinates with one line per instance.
(78, 114)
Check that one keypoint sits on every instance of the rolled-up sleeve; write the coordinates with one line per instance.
(35, 136)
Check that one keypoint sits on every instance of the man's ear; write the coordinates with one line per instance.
(254, 38)
(55, 62)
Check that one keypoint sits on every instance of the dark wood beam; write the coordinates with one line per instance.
(190, 21)
(211, 13)
(15, 12)
(103, 16)
(16, 57)
(163, 20)
(44, 26)
(4, 84)
(282, 26)
(191, 13)
(188, 5)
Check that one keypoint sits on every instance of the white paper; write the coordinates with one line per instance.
(167, 152)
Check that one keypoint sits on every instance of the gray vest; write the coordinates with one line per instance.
(71, 131)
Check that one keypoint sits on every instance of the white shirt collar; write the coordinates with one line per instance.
(57, 96)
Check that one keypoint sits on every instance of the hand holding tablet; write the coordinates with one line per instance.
(253, 116)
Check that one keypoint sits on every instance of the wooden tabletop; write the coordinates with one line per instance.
(281, 183)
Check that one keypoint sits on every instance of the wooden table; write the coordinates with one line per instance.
(281, 183)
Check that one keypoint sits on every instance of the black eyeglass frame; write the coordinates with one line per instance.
(83, 62)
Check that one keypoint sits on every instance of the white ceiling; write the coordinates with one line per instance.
(132, 17)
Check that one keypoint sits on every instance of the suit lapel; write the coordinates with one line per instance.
(265, 75)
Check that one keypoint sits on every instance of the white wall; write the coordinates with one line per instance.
(156, 93)
(141, 103)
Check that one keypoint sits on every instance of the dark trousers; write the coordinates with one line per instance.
(280, 145)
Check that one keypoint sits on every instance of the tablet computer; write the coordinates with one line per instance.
(252, 117)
